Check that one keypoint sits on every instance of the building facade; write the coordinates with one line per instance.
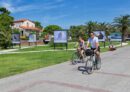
(26, 27)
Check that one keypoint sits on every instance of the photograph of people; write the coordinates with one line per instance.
(16, 38)
(60, 36)
(100, 35)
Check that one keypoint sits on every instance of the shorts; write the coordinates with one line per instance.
(95, 48)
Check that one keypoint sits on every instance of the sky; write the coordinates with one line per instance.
(66, 13)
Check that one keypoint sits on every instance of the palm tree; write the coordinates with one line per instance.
(123, 22)
(91, 26)
(76, 31)
(104, 27)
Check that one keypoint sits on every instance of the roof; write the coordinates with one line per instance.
(30, 28)
(21, 20)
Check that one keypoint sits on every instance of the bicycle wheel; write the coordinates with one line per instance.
(98, 63)
(75, 58)
(90, 65)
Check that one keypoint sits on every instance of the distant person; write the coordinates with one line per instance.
(45, 39)
(112, 48)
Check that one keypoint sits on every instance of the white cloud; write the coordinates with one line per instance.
(14, 9)
(45, 6)
(7, 5)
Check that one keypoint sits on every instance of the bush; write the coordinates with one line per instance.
(24, 38)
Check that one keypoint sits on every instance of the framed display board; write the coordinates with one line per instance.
(16, 39)
(32, 39)
(101, 36)
(61, 37)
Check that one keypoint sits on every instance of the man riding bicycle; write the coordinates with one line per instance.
(93, 60)
(93, 41)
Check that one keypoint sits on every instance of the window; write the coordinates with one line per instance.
(27, 24)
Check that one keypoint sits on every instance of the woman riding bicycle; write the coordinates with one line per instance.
(81, 47)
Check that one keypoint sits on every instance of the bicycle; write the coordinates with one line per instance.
(91, 63)
(77, 58)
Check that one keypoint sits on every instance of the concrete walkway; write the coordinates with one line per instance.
(113, 77)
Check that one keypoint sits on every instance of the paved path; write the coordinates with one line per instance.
(113, 77)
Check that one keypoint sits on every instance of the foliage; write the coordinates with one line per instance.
(123, 23)
(91, 26)
(38, 24)
(43, 34)
(76, 31)
(15, 31)
(5, 28)
(51, 28)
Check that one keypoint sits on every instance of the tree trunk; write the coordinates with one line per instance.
(123, 38)
(123, 34)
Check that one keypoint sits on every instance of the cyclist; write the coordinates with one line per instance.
(93, 41)
(81, 47)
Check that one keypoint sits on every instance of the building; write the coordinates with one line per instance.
(26, 27)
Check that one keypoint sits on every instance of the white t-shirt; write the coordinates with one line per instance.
(93, 42)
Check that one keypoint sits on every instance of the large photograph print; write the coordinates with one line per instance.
(32, 38)
(115, 36)
(101, 35)
(60, 36)
(16, 38)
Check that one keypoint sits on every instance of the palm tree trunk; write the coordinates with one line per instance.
(123, 34)
(123, 37)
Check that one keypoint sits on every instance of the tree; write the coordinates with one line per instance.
(5, 28)
(38, 24)
(51, 28)
(4, 10)
(76, 31)
(15, 30)
(123, 23)
(91, 26)
(105, 27)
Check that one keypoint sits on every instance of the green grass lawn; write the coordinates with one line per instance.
(128, 42)
(12, 64)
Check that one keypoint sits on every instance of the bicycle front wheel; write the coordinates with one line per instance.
(89, 66)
